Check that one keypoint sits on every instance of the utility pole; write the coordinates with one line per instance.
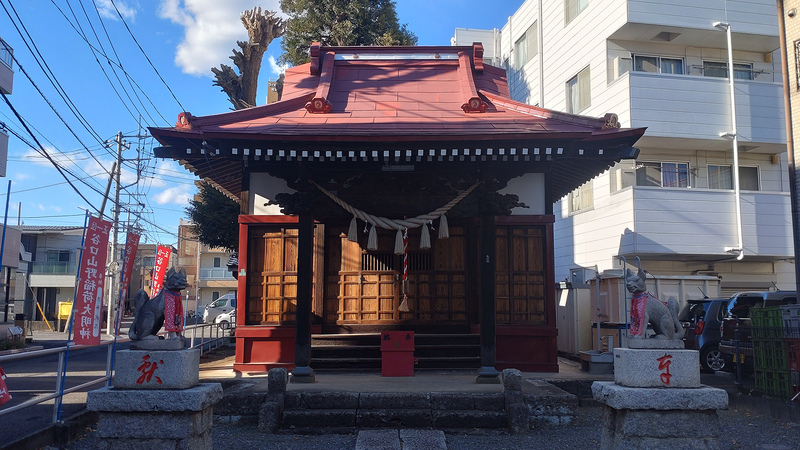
(114, 266)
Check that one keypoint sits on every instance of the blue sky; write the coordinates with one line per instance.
(183, 40)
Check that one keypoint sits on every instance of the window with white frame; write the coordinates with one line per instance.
(526, 46)
(582, 198)
(741, 71)
(662, 174)
(217, 261)
(658, 64)
(572, 8)
(579, 95)
(721, 177)
(214, 296)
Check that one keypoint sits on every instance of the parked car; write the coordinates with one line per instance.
(701, 320)
(226, 321)
(224, 304)
(737, 316)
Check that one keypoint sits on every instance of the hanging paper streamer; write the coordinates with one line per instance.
(352, 234)
(425, 238)
(404, 304)
(444, 230)
(398, 242)
(372, 243)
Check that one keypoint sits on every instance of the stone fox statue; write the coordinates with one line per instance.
(646, 308)
(152, 312)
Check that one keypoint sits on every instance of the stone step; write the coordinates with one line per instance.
(401, 440)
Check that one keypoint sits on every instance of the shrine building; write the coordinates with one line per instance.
(381, 164)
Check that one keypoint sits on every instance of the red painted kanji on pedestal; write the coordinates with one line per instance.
(663, 364)
(147, 369)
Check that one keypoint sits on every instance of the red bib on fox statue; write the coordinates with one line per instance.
(173, 311)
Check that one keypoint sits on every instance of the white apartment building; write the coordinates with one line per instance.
(662, 64)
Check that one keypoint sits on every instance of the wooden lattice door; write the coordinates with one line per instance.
(520, 289)
(272, 276)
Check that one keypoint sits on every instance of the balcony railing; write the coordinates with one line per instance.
(216, 273)
(6, 54)
(56, 268)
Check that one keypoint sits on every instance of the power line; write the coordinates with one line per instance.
(44, 152)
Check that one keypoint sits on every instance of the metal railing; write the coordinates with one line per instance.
(217, 335)
(58, 394)
(6, 54)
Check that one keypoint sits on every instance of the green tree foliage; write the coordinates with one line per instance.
(215, 218)
(338, 23)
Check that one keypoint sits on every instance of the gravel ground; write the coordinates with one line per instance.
(739, 430)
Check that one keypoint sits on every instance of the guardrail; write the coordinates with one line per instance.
(58, 394)
(217, 334)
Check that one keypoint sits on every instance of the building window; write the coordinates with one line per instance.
(149, 261)
(721, 177)
(581, 199)
(663, 174)
(720, 69)
(579, 95)
(58, 256)
(572, 8)
(657, 64)
(217, 261)
(214, 296)
(526, 47)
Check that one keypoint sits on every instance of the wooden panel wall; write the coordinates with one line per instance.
(272, 278)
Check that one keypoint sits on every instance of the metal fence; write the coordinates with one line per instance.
(211, 337)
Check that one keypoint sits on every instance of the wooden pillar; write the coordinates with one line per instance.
(487, 372)
(303, 373)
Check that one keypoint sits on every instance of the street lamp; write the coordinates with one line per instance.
(733, 135)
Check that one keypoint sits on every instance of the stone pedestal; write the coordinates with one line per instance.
(171, 369)
(668, 368)
(156, 401)
(651, 418)
(657, 401)
(157, 419)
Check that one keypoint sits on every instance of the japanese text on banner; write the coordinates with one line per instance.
(91, 274)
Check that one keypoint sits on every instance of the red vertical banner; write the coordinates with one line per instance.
(131, 247)
(92, 275)
(5, 397)
(162, 261)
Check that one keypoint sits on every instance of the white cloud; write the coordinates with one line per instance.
(55, 208)
(178, 195)
(276, 68)
(41, 207)
(106, 9)
(212, 28)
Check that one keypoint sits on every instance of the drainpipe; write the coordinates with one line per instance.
(541, 56)
(739, 249)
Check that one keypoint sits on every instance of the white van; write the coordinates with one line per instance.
(224, 304)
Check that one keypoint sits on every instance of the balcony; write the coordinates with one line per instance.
(6, 68)
(700, 223)
(216, 274)
(53, 274)
(688, 111)
(689, 23)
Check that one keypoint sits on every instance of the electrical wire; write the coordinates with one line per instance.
(44, 152)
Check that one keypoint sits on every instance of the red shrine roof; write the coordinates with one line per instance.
(395, 94)
(396, 106)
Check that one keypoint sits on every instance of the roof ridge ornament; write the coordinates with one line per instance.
(315, 61)
(474, 103)
(319, 104)
(477, 57)
(184, 121)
